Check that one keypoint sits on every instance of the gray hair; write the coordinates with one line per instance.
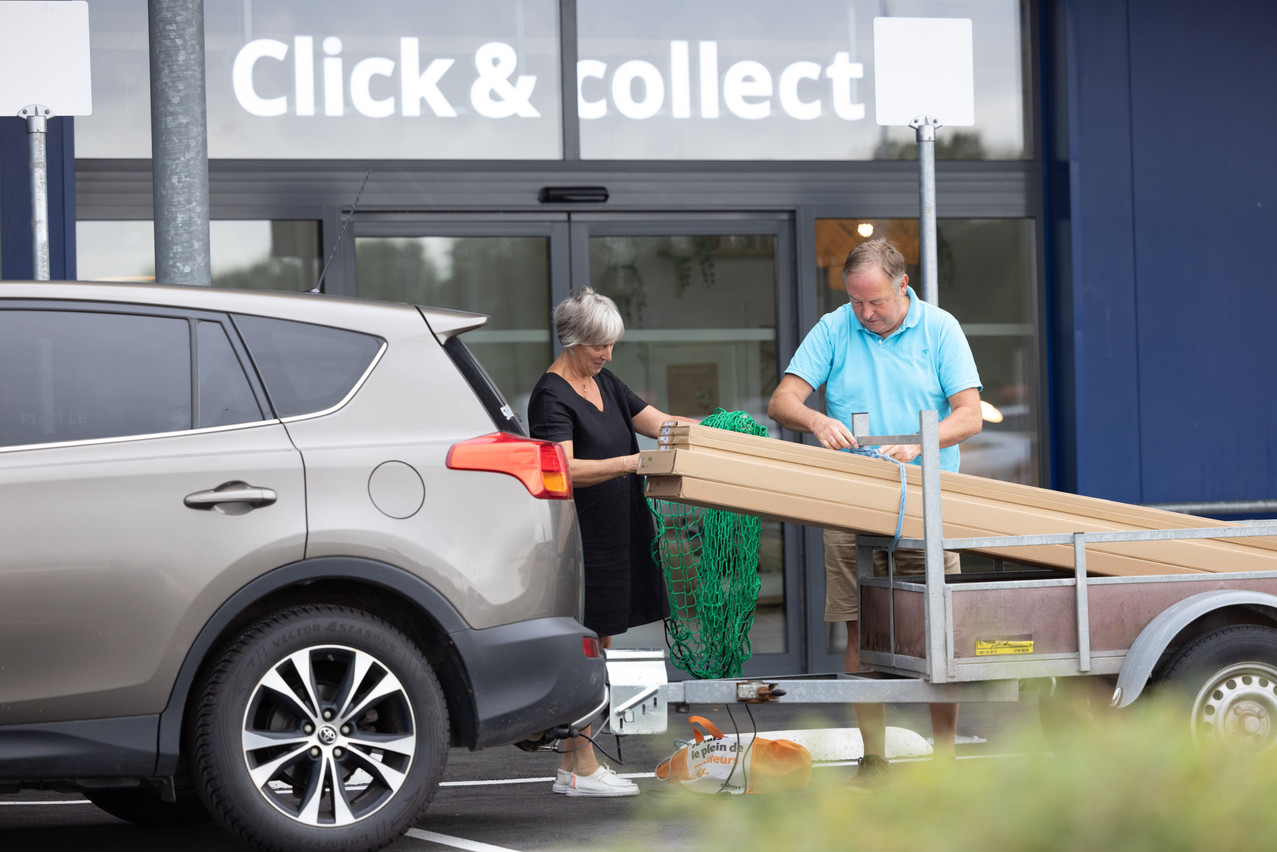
(589, 318)
(880, 253)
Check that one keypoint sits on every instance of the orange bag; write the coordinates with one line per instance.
(716, 764)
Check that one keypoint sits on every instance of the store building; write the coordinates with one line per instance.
(708, 165)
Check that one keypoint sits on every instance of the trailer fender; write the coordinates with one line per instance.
(1153, 640)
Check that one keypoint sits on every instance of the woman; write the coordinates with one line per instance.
(595, 417)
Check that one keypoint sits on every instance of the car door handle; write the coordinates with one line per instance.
(237, 492)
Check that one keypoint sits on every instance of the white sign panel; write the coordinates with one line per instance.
(923, 66)
(44, 57)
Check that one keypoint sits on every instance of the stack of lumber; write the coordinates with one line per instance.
(781, 480)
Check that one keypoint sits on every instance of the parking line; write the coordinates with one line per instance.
(455, 842)
(548, 779)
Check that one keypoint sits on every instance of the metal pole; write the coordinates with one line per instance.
(925, 127)
(937, 626)
(1220, 507)
(37, 117)
(1083, 603)
(179, 142)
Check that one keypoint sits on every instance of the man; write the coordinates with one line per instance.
(889, 354)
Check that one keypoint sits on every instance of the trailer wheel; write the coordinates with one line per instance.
(1227, 681)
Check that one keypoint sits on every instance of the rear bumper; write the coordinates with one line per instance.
(529, 677)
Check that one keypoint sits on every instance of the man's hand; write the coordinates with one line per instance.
(901, 452)
(788, 408)
(832, 434)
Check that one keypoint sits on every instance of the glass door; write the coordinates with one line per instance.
(700, 298)
(700, 301)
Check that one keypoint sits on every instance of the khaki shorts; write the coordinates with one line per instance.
(840, 571)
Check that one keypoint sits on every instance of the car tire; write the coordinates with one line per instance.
(143, 806)
(322, 727)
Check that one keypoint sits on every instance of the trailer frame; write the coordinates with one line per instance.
(926, 657)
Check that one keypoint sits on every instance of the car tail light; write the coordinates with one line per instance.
(541, 466)
(593, 650)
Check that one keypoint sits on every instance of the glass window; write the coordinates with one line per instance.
(264, 254)
(115, 250)
(700, 318)
(225, 396)
(506, 278)
(757, 80)
(78, 376)
(306, 368)
(246, 254)
(397, 79)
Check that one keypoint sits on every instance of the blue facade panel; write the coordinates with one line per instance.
(1172, 196)
(1205, 189)
(1100, 347)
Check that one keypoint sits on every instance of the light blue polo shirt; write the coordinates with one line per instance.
(918, 367)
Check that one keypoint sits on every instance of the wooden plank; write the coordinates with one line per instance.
(1139, 516)
(811, 485)
(1145, 518)
(838, 501)
(823, 513)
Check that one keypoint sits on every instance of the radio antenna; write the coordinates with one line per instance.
(319, 285)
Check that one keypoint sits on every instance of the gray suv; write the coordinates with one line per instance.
(266, 557)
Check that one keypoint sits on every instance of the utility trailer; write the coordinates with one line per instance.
(987, 636)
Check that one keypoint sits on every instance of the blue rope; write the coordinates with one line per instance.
(900, 514)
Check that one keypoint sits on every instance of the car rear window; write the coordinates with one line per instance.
(306, 368)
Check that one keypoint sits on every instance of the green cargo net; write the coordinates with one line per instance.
(710, 561)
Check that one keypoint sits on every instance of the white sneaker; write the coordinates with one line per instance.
(562, 781)
(601, 783)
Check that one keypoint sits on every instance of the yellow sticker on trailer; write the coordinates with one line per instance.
(995, 647)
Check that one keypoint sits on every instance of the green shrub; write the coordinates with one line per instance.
(1131, 781)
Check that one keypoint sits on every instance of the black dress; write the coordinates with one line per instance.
(623, 584)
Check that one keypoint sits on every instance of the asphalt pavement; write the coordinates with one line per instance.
(498, 800)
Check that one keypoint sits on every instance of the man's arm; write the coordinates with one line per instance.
(964, 420)
(788, 407)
